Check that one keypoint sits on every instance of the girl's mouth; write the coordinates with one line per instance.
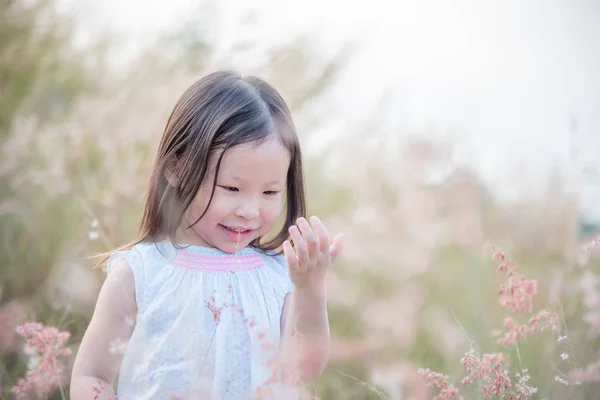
(236, 233)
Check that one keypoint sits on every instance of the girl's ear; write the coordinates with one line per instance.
(172, 178)
(171, 174)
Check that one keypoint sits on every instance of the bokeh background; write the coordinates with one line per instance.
(430, 128)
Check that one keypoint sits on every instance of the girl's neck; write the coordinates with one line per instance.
(188, 238)
(197, 245)
(201, 250)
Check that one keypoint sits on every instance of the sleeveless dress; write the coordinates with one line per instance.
(207, 325)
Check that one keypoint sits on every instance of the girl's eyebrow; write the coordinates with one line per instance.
(273, 182)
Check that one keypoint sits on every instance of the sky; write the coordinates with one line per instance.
(516, 84)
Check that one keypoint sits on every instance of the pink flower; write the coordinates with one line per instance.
(517, 296)
(44, 346)
(518, 293)
(506, 265)
(489, 371)
(591, 245)
(440, 381)
(98, 390)
(537, 323)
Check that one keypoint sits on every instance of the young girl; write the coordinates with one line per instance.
(204, 305)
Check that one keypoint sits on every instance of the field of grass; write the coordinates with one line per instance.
(416, 292)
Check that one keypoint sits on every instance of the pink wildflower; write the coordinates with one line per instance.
(537, 323)
(45, 347)
(591, 299)
(98, 390)
(591, 245)
(489, 371)
(518, 293)
(517, 296)
(506, 265)
(281, 379)
(440, 381)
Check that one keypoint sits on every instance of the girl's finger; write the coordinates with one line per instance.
(336, 247)
(290, 256)
(322, 234)
(300, 248)
(309, 237)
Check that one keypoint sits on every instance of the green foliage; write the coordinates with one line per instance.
(40, 72)
(40, 75)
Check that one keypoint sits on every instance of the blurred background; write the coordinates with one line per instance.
(431, 128)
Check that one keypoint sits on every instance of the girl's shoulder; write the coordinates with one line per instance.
(145, 260)
(142, 254)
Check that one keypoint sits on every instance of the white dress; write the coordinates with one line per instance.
(208, 323)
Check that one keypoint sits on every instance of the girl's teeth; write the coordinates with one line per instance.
(237, 230)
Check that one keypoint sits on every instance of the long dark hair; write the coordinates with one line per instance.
(219, 111)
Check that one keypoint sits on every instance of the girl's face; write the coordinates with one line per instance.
(248, 199)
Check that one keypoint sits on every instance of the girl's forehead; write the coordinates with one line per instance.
(269, 158)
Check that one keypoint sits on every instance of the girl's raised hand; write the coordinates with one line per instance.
(312, 254)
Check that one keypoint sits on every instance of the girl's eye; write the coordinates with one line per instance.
(271, 192)
(231, 188)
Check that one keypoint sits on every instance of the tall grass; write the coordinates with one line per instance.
(414, 289)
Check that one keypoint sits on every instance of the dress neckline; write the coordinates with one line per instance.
(198, 250)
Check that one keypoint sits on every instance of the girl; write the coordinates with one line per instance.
(204, 303)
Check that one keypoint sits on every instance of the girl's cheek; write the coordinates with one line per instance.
(198, 206)
(274, 214)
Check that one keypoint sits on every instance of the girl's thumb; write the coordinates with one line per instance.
(336, 248)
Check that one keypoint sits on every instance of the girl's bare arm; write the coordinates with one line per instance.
(305, 339)
(96, 366)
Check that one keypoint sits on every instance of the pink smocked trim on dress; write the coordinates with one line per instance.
(223, 263)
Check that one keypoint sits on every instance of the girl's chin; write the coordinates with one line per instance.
(232, 248)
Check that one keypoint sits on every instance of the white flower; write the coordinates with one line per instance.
(93, 235)
(561, 380)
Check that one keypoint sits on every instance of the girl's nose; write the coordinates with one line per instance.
(247, 210)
